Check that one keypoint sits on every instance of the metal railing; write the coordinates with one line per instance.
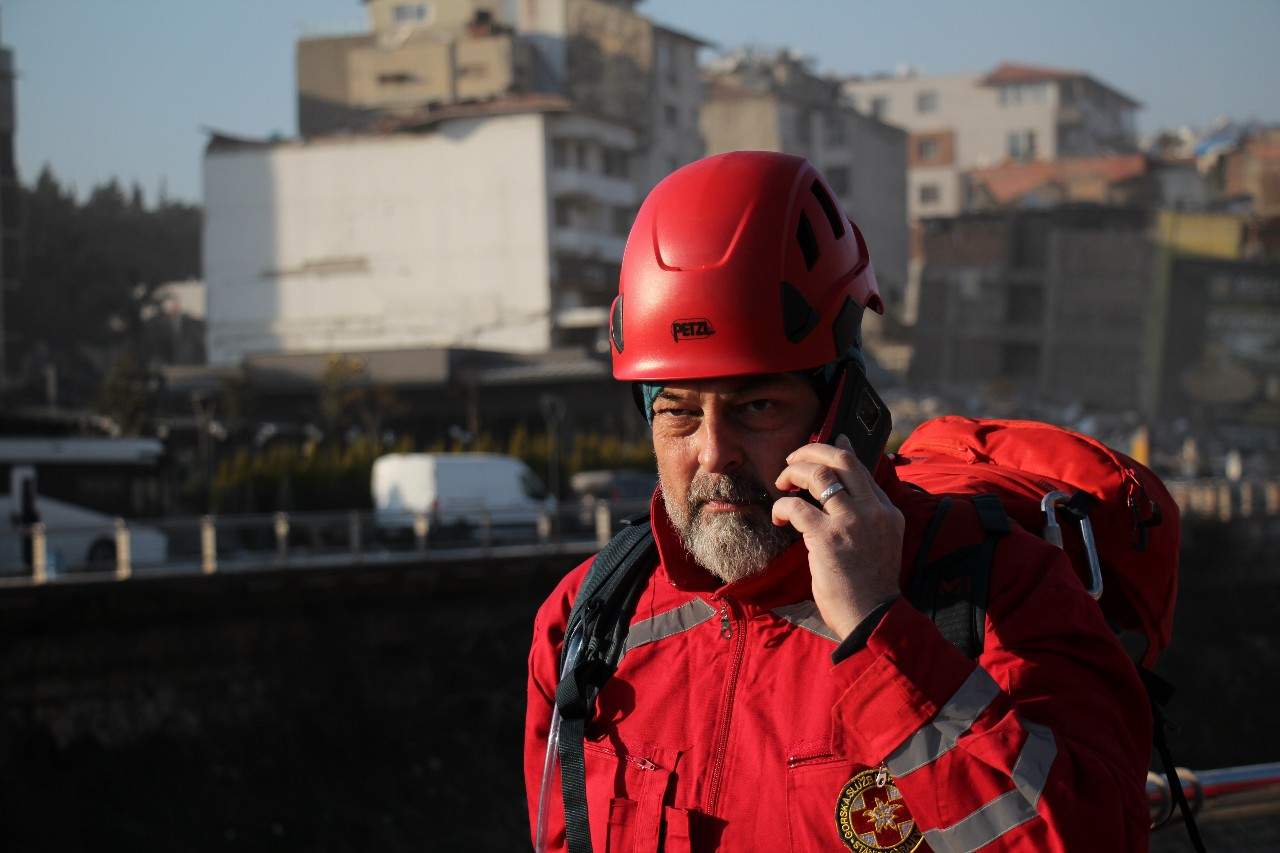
(1227, 793)
(40, 553)
(1225, 500)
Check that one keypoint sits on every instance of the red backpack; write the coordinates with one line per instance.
(1131, 516)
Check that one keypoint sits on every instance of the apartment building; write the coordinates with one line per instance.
(606, 59)
(1052, 303)
(466, 174)
(959, 122)
(498, 226)
(775, 102)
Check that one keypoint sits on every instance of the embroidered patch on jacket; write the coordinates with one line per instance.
(871, 816)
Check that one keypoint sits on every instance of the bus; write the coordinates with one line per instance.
(77, 488)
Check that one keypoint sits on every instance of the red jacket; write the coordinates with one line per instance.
(726, 725)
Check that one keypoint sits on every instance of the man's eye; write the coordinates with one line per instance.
(760, 406)
(679, 413)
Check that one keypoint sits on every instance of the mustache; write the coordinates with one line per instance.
(732, 488)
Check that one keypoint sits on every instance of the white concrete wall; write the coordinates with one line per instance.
(438, 239)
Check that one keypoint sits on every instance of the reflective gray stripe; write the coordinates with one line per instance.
(1010, 809)
(804, 614)
(672, 622)
(955, 718)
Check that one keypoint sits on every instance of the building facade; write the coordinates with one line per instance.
(491, 230)
(466, 176)
(608, 60)
(966, 121)
(1055, 304)
(10, 200)
(775, 102)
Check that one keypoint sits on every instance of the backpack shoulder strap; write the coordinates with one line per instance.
(952, 589)
(594, 639)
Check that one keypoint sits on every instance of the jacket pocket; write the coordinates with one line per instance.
(816, 791)
(628, 790)
(814, 783)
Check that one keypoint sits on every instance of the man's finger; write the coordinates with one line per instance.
(847, 466)
(810, 476)
(804, 517)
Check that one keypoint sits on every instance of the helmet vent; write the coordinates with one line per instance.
(847, 328)
(808, 241)
(828, 208)
(615, 324)
(798, 316)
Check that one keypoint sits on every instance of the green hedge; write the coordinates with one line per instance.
(328, 477)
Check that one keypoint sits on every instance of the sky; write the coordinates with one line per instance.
(125, 87)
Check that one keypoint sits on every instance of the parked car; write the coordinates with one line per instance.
(463, 495)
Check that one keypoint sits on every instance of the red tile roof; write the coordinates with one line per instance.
(1010, 181)
(1010, 73)
(1016, 72)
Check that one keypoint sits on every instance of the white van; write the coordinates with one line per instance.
(459, 493)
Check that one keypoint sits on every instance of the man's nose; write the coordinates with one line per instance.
(720, 449)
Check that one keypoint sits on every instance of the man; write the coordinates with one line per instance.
(778, 692)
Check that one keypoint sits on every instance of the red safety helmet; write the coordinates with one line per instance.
(740, 264)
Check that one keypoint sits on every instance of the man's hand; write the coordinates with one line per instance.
(854, 540)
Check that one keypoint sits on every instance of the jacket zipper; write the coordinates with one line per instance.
(722, 742)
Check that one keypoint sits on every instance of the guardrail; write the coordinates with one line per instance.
(119, 549)
(1225, 500)
(1227, 793)
(208, 544)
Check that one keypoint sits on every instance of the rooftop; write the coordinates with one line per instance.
(1010, 73)
(1010, 181)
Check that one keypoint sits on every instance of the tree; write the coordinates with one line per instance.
(87, 270)
(125, 396)
(348, 397)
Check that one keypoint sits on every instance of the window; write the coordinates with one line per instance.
(804, 127)
(622, 217)
(926, 149)
(6, 155)
(926, 102)
(1022, 145)
(1024, 305)
(838, 178)
(398, 78)
(560, 154)
(409, 13)
(929, 194)
(833, 128)
(1020, 361)
(879, 106)
(563, 213)
(1015, 94)
(580, 155)
(616, 163)
(672, 115)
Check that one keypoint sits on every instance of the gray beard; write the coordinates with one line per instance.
(730, 545)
